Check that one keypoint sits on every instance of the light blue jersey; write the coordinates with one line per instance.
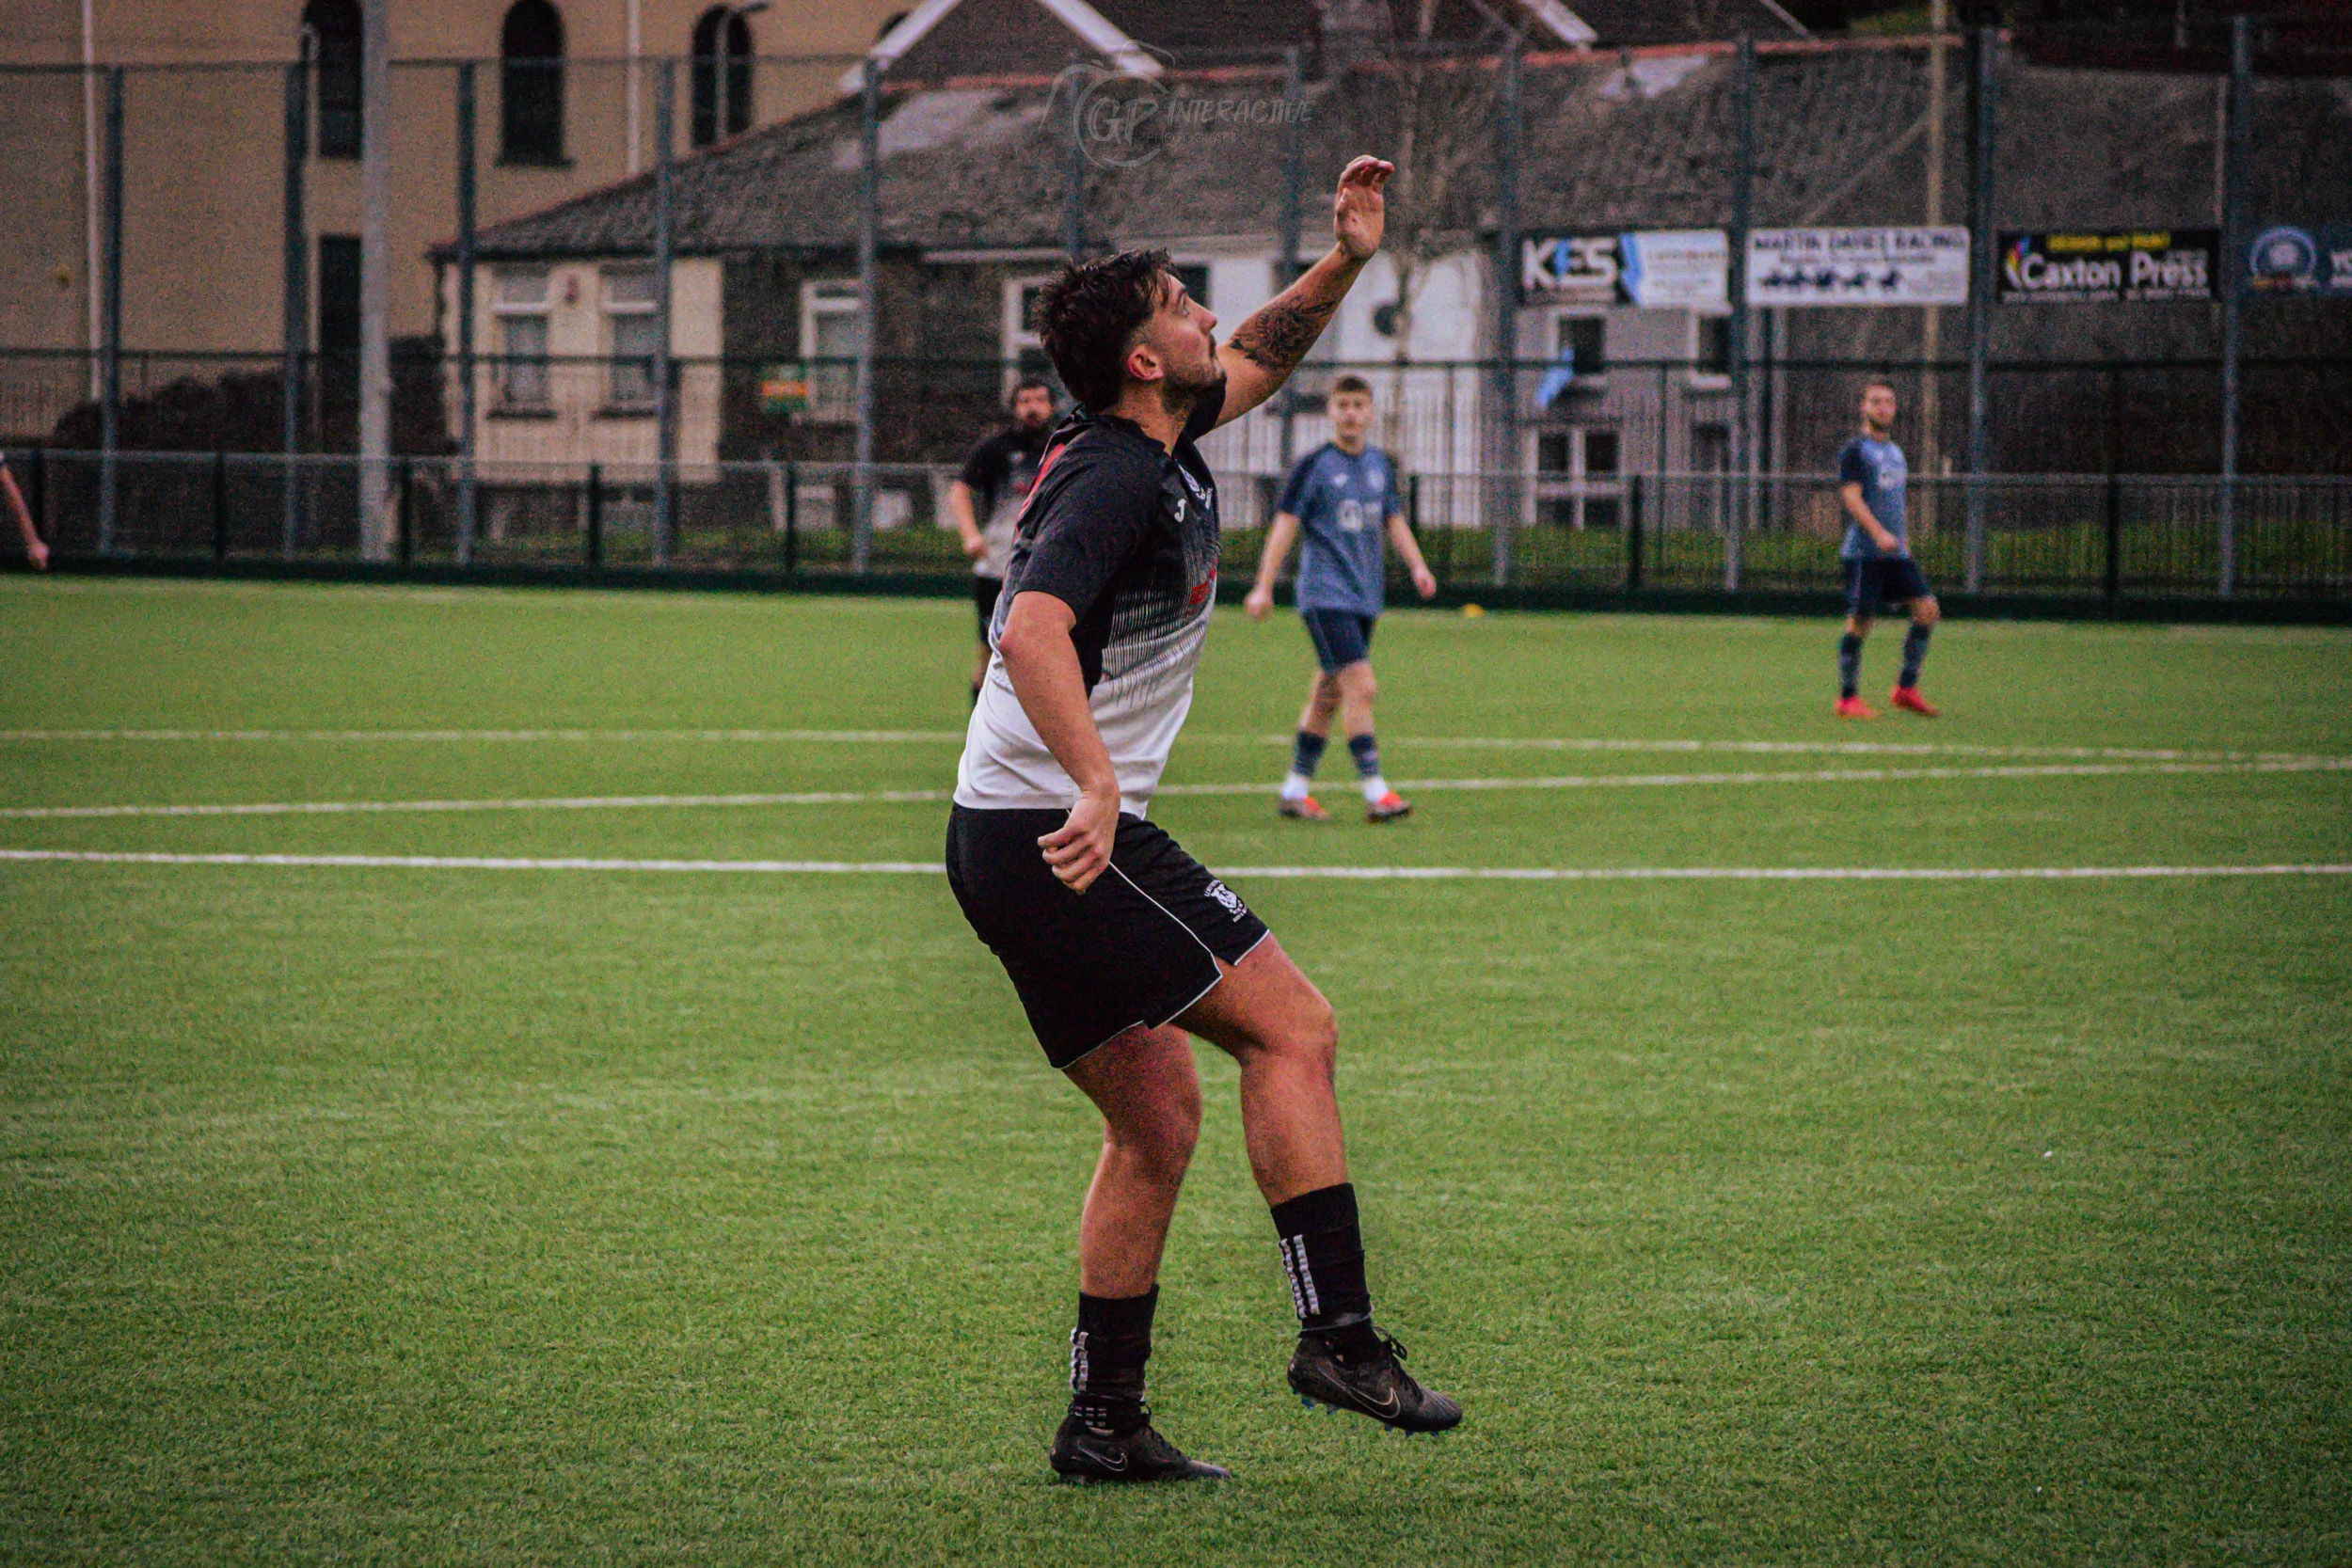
(1342, 505)
(1878, 468)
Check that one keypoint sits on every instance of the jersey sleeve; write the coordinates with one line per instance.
(1294, 488)
(1852, 469)
(1093, 512)
(983, 469)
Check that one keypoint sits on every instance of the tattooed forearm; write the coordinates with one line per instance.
(1278, 336)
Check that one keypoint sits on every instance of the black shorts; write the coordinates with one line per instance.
(1883, 580)
(1341, 636)
(1138, 946)
(984, 592)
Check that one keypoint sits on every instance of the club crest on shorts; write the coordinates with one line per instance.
(1228, 897)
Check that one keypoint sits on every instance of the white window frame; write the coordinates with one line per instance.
(1575, 484)
(1706, 380)
(615, 311)
(1564, 313)
(504, 308)
(832, 389)
(1012, 337)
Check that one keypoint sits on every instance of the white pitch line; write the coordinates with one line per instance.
(851, 797)
(1341, 873)
(1463, 742)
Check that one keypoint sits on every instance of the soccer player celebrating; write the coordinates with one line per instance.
(1343, 496)
(1119, 944)
(997, 476)
(1879, 569)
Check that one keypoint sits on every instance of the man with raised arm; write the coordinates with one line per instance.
(1119, 944)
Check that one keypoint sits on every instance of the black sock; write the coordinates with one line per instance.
(1367, 754)
(1323, 1252)
(1107, 1351)
(1306, 752)
(1914, 654)
(1849, 664)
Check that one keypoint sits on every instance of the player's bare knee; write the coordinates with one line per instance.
(1926, 612)
(1315, 1037)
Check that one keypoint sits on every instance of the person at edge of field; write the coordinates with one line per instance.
(1341, 499)
(35, 551)
(1879, 569)
(1119, 944)
(997, 477)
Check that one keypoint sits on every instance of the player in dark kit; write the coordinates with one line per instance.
(986, 499)
(1341, 499)
(1119, 944)
(1879, 569)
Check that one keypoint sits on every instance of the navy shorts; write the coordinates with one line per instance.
(1138, 946)
(1883, 580)
(1341, 636)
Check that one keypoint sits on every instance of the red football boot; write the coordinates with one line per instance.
(1855, 707)
(1304, 809)
(1908, 696)
(1390, 807)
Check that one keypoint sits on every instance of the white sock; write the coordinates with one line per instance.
(1375, 789)
(1295, 787)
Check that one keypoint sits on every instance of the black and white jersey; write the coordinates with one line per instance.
(1125, 533)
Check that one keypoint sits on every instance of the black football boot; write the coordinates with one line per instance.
(1085, 1453)
(1377, 1386)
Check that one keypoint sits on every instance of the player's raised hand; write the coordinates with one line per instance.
(1358, 212)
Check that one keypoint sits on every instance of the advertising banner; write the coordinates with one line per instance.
(2301, 258)
(2044, 267)
(1666, 270)
(1681, 269)
(1858, 266)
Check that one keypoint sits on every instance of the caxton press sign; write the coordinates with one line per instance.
(2079, 268)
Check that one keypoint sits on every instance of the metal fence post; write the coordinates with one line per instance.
(2232, 269)
(1502, 489)
(868, 218)
(1633, 499)
(295, 280)
(595, 515)
(664, 381)
(37, 488)
(1980, 243)
(468, 393)
(1287, 225)
(791, 518)
(405, 512)
(1743, 198)
(110, 319)
(2114, 575)
(221, 506)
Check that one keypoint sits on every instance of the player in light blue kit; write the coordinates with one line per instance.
(1879, 569)
(1343, 500)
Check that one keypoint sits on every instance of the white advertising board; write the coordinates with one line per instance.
(1858, 266)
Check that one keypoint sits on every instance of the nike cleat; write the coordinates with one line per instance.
(1855, 707)
(1390, 807)
(1908, 696)
(1304, 809)
(1378, 1387)
(1087, 1454)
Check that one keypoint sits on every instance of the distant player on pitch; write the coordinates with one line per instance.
(1342, 497)
(986, 498)
(1879, 569)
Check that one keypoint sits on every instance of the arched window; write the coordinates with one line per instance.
(723, 73)
(531, 84)
(331, 40)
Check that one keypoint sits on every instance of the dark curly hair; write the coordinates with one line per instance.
(1089, 317)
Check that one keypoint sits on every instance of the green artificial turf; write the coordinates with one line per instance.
(475, 1216)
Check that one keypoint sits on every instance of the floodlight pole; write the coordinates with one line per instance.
(1288, 225)
(1503, 489)
(869, 217)
(110, 318)
(375, 223)
(1742, 216)
(664, 376)
(2233, 274)
(295, 314)
(1073, 188)
(1984, 109)
(468, 393)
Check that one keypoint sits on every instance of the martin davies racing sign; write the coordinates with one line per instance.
(2044, 267)
(1858, 266)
